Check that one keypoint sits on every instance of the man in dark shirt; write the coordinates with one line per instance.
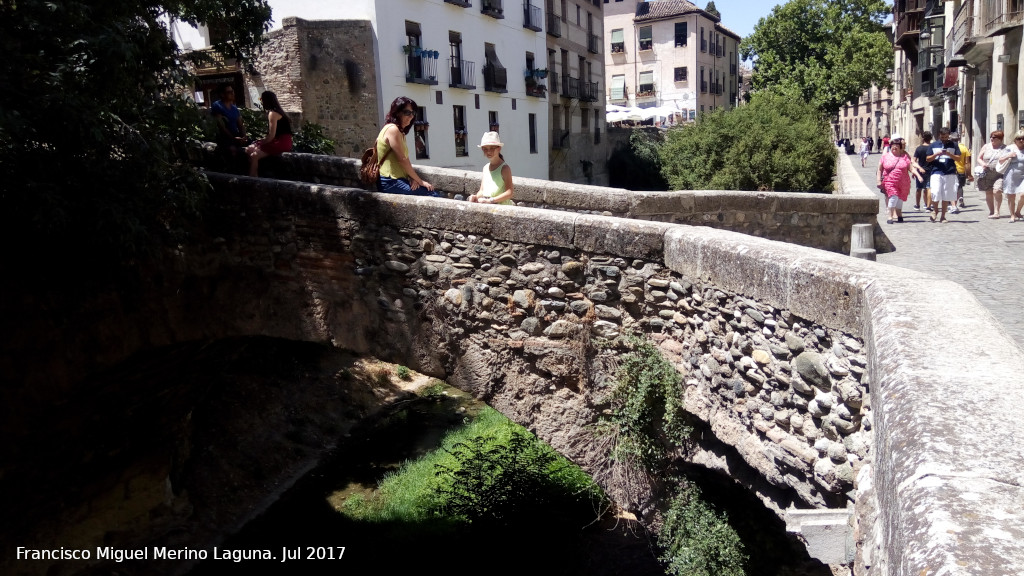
(943, 154)
(231, 139)
(921, 155)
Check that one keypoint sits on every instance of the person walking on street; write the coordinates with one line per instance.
(1013, 181)
(922, 197)
(963, 175)
(943, 155)
(864, 151)
(894, 171)
(990, 179)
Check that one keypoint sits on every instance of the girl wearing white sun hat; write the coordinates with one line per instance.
(496, 176)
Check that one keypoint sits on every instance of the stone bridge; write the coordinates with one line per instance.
(819, 380)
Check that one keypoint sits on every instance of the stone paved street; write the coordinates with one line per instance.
(985, 256)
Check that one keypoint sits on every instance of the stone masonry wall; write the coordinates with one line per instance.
(518, 315)
(512, 303)
(324, 70)
(815, 220)
(279, 69)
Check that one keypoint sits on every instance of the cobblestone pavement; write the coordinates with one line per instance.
(985, 256)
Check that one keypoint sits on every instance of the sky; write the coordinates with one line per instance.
(741, 16)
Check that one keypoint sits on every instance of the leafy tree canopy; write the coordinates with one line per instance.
(93, 121)
(776, 142)
(712, 10)
(832, 50)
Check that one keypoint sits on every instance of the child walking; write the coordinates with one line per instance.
(496, 180)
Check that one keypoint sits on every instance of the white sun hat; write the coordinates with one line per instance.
(490, 139)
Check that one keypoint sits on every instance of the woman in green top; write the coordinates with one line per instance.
(496, 180)
(397, 175)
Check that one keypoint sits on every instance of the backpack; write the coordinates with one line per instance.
(370, 170)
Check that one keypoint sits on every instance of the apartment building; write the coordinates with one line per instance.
(472, 66)
(956, 65)
(869, 115)
(670, 53)
(575, 80)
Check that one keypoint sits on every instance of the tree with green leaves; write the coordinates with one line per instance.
(776, 142)
(831, 50)
(712, 10)
(94, 121)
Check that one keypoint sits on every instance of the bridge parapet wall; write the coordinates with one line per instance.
(507, 302)
(510, 303)
(816, 220)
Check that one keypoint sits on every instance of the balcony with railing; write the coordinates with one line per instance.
(646, 92)
(704, 86)
(461, 74)
(421, 66)
(703, 45)
(570, 86)
(554, 25)
(461, 3)
(559, 139)
(592, 43)
(495, 78)
(720, 50)
(534, 83)
(618, 48)
(589, 91)
(646, 44)
(492, 8)
(908, 26)
(997, 16)
(531, 17)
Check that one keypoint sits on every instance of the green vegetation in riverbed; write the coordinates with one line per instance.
(697, 540)
(647, 406)
(490, 471)
(650, 427)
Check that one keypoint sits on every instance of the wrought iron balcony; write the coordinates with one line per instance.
(536, 89)
(421, 68)
(646, 92)
(704, 86)
(618, 47)
(461, 74)
(592, 43)
(559, 139)
(531, 17)
(461, 3)
(495, 79)
(492, 8)
(554, 25)
(589, 91)
(703, 45)
(570, 86)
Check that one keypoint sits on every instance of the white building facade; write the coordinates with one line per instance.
(670, 53)
(466, 63)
